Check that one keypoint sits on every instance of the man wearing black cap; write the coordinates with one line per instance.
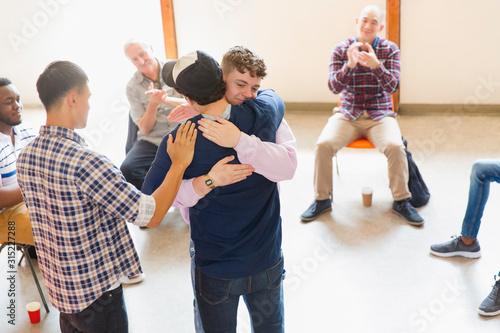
(236, 229)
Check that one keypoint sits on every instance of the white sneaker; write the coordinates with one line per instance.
(133, 279)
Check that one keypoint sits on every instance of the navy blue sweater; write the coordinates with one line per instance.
(236, 229)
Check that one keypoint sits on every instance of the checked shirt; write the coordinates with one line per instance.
(78, 203)
(362, 88)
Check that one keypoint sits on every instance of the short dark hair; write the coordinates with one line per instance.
(4, 82)
(57, 80)
(220, 91)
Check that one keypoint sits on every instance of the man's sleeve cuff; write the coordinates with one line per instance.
(147, 206)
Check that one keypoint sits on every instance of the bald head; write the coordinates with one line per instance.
(369, 24)
(372, 8)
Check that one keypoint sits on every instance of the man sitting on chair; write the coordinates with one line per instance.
(365, 70)
(13, 137)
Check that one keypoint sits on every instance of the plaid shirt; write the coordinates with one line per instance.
(362, 88)
(78, 203)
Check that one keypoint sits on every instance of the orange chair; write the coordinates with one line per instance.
(362, 143)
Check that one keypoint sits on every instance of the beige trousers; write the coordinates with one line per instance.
(18, 214)
(340, 131)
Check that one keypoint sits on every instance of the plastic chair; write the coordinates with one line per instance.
(362, 143)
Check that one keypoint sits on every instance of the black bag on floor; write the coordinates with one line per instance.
(419, 192)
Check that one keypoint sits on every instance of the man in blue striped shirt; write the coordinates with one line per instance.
(79, 203)
(14, 216)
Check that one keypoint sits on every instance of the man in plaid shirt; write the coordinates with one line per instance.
(365, 70)
(79, 203)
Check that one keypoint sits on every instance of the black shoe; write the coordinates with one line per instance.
(491, 304)
(316, 209)
(404, 209)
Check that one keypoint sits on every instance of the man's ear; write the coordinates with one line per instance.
(71, 98)
(193, 104)
(381, 27)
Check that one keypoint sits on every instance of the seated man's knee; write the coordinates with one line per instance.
(324, 149)
(479, 166)
(392, 148)
(126, 169)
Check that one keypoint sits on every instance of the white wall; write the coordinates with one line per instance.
(295, 38)
(449, 47)
(450, 52)
(92, 34)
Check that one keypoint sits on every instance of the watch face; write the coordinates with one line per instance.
(209, 182)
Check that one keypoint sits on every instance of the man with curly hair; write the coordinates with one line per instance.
(236, 229)
(243, 70)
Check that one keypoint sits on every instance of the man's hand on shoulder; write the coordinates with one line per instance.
(222, 132)
(182, 150)
(182, 112)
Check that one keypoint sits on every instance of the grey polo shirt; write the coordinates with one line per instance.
(136, 88)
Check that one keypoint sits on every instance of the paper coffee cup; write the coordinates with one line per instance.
(34, 312)
(367, 193)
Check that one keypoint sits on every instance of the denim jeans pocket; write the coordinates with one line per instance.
(275, 275)
(212, 290)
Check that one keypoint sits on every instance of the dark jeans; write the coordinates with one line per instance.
(138, 161)
(107, 314)
(263, 294)
(483, 173)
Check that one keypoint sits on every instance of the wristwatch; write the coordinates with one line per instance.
(209, 181)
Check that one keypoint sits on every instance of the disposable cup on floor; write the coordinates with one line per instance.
(367, 193)
(34, 312)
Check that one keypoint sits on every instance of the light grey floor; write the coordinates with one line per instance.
(355, 270)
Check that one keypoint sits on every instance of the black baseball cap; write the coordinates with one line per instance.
(196, 74)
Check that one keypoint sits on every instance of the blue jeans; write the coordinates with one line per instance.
(483, 173)
(107, 314)
(263, 294)
(198, 326)
(136, 164)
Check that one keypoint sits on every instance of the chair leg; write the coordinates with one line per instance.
(337, 163)
(28, 258)
(20, 247)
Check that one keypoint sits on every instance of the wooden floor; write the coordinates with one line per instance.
(355, 269)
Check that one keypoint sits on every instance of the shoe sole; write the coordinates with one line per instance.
(135, 280)
(488, 314)
(417, 224)
(309, 219)
(469, 255)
